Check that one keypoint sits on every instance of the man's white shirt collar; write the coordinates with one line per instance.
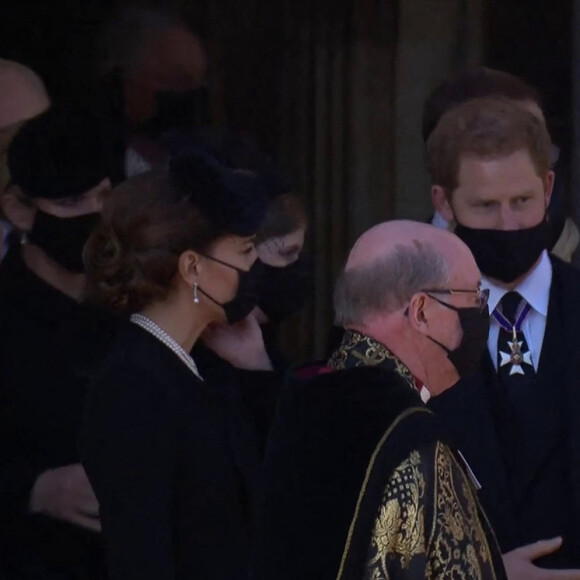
(439, 221)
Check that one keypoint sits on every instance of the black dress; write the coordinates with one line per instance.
(171, 467)
(50, 346)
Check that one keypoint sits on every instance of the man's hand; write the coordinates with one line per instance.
(241, 344)
(66, 494)
(519, 563)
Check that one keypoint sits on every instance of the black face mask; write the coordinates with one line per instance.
(177, 110)
(466, 358)
(284, 291)
(506, 255)
(246, 297)
(63, 239)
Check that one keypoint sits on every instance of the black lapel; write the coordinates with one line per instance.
(544, 405)
(467, 412)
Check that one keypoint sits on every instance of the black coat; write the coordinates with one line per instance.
(541, 497)
(50, 347)
(172, 467)
(251, 394)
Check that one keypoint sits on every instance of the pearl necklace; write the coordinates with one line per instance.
(150, 326)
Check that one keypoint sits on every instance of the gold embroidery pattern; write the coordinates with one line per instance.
(370, 468)
(358, 350)
(400, 525)
(457, 547)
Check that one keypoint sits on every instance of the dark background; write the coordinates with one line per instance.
(533, 39)
(275, 71)
(57, 38)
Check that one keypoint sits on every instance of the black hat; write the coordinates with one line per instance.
(59, 154)
(234, 200)
(233, 149)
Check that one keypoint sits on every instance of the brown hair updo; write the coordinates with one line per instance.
(285, 215)
(151, 219)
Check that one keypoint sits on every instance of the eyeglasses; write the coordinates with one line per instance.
(482, 294)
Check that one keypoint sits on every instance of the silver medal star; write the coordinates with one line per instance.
(516, 358)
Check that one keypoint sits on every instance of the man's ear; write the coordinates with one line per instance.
(20, 214)
(441, 203)
(416, 313)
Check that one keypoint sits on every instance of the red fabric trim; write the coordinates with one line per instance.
(312, 371)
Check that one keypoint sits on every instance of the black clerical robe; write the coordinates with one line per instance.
(360, 484)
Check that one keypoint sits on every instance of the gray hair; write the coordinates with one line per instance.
(387, 284)
(123, 38)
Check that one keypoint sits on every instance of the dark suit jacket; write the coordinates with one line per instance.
(535, 493)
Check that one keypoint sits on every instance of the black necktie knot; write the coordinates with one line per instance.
(509, 305)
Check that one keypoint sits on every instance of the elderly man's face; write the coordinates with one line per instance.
(173, 60)
(455, 337)
(465, 276)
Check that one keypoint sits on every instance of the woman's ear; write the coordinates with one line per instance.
(189, 267)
